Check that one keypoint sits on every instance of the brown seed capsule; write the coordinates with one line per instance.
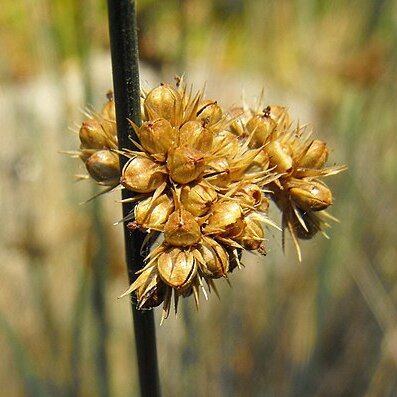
(181, 229)
(280, 156)
(279, 115)
(252, 236)
(250, 194)
(209, 112)
(215, 258)
(150, 289)
(218, 172)
(165, 102)
(153, 297)
(152, 214)
(185, 164)
(309, 195)
(315, 156)
(156, 136)
(108, 111)
(104, 167)
(226, 219)
(143, 175)
(259, 127)
(177, 267)
(198, 198)
(194, 135)
(92, 135)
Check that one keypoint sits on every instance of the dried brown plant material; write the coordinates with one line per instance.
(185, 164)
(209, 112)
(143, 175)
(165, 102)
(104, 167)
(198, 197)
(203, 179)
(156, 137)
(182, 229)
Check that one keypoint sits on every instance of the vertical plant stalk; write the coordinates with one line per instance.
(124, 53)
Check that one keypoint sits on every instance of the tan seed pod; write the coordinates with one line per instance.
(152, 214)
(280, 157)
(156, 136)
(108, 111)
(209, 112)
(177, 267)
(181, 229)
(259, 127)
(215, 258)
(226, 219)
(92, 135)
(104, 167)
(165, 102)
(252, 236)
(194, 135)
(250, 194)
(218, 172)
(143, 175)
(198, 198)
(185, 164)
(279, 115)
(153, 297)
(309, 195)
(315, 156)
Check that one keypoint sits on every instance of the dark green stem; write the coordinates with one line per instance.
(124, 51)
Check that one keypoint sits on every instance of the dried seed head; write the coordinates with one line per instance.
(185, 164)
(198, 198)
(165, 102)
(104, 167)
(177, 267)
(181, 229)
(215, 257)
(309, 195)
(92, 135)
(194, 135)
(259, 127)
(280, 157)
(315, 156)
(226, 219)
(209, 112)
(143, 175)
(156, 136)
(252, 236)
(152, 214)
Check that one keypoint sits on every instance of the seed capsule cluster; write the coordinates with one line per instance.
(203, 180)
(98, 140)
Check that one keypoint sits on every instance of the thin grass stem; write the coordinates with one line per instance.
(124, 52)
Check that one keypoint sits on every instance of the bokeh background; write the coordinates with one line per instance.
(325, 327)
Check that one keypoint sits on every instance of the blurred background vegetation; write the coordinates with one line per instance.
(323, 327)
